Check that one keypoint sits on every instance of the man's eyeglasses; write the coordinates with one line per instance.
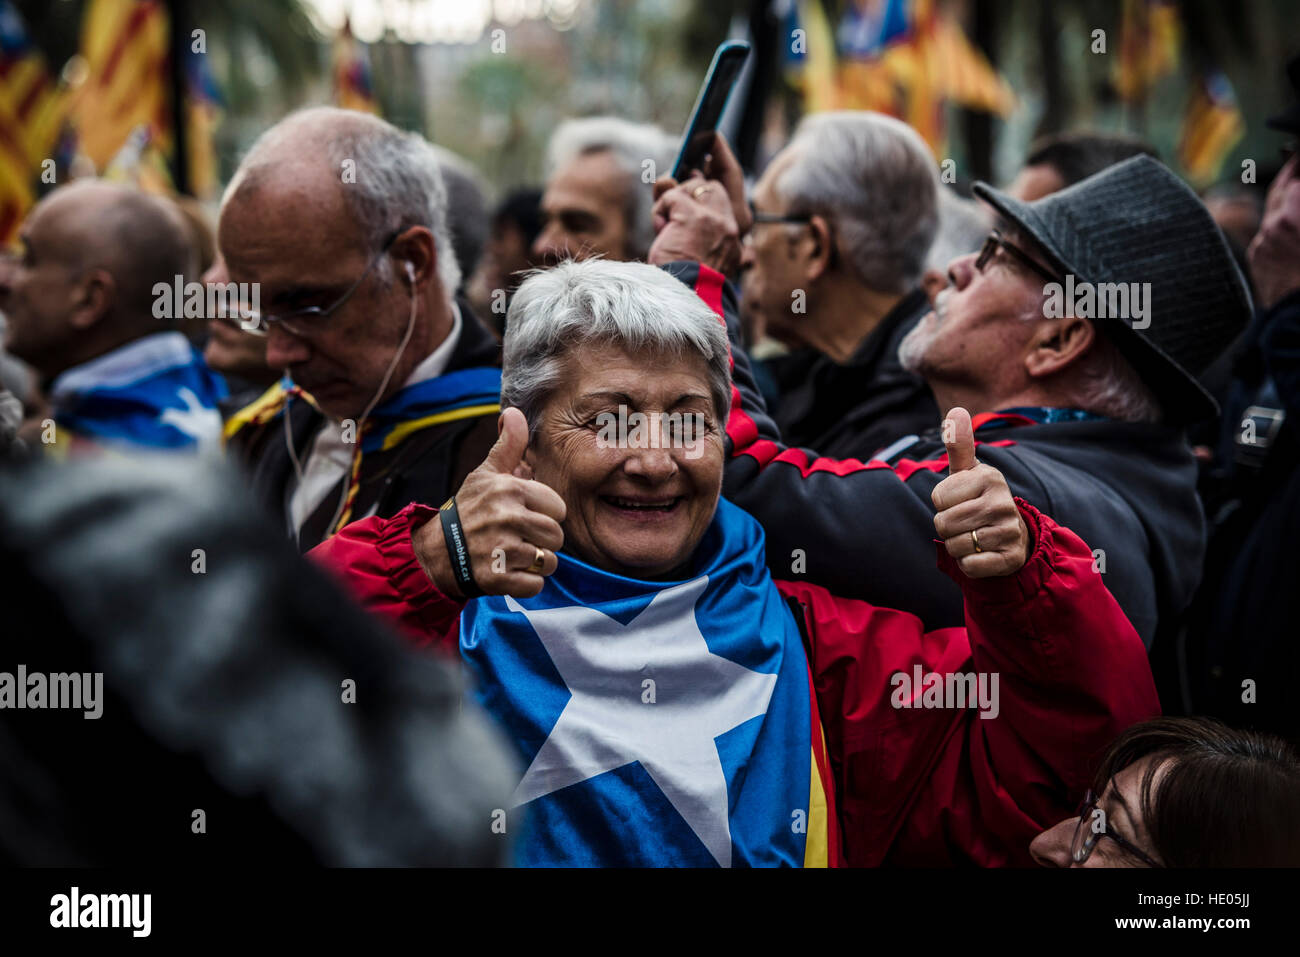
(1086, 838)
(759, 219)
(996, 241)
(308, 321)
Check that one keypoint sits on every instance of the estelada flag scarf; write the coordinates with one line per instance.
(462, 394)
(657, 723)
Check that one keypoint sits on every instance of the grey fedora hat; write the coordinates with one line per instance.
(1136, 222)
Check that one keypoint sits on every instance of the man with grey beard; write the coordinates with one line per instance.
(1083, 412)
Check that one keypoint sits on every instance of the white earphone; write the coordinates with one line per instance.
(410, 271)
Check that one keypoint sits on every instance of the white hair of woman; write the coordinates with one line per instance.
(637, 307)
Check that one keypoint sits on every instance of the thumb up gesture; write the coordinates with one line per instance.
(975, 514)
(509, 524)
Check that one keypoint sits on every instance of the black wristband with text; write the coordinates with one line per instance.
(453, 534)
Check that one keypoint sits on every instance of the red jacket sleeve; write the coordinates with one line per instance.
(375, 560)
(942, 785)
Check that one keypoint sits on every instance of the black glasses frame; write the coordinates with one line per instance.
(1085, 839)
(995, 241)
(260, 324)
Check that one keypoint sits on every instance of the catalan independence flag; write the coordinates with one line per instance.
(353, 89)
(125, 47)
(658, 723)
(1150, 37)
(906, 58)
(31, 115)
(1212, 126)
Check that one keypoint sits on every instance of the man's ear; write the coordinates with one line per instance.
(415, 248)
(1056, 344)
(819, 243)
(92, 298)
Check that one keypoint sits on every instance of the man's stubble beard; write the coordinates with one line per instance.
(912, 350)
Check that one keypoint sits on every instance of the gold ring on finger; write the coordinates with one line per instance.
(699, 191)
(539, 561)
(974, 540)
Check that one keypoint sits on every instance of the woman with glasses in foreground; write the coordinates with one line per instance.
(1184, 792)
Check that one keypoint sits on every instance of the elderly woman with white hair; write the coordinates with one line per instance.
(669, 701)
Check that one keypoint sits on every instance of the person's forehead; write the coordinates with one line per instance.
(611, 367)
(281, 227)
(1128, 784)
(591, 182)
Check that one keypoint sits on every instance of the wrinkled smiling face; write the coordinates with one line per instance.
(633, 510)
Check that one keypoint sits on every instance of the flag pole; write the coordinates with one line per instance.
(178, 23)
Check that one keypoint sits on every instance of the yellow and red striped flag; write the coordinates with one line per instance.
(1150, 36)
(32, 108)
(353, 89)
(124, 44)
(1212, 126)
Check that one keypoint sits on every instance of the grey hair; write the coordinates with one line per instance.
(1107, 383)
(875, 178)
(962, 228)
(1112, 387)
(631, 305)
(632, 144)
(398, 177)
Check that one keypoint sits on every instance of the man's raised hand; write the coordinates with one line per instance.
(976, 516)
(505, 517)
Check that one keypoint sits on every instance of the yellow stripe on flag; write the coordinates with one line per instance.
(415, 425)
(816, 852)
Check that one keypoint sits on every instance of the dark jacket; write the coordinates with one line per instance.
(857, 408)
(864, 529)
(428, 465)
(246, 686)
(1244, 621)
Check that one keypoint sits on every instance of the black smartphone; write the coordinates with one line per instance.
(728, 60)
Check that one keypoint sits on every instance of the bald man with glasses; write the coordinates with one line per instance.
(390, 387)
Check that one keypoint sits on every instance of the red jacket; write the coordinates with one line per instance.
(921, 785)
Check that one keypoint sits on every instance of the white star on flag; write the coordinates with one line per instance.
(606, 724)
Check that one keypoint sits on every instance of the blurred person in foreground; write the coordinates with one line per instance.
(1082, 409)
(832, 263)
(623, 628)
(390, 388)
(1243, 660)
(1184, 792)
(83, 300)
(598, 195)
(241, 709)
